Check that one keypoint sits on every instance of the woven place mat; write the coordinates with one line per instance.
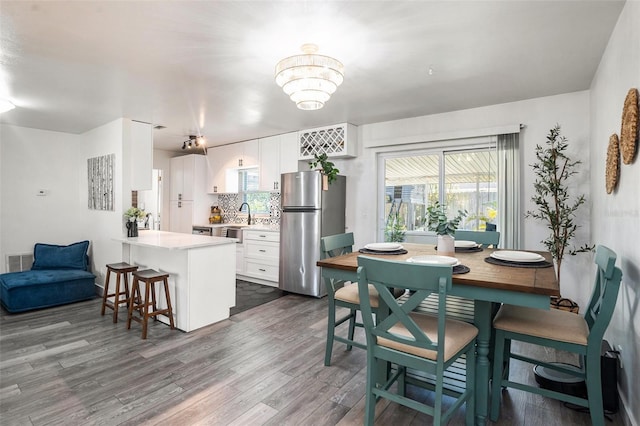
(460, 269)
(367, 251)
(542, 264)
(466, 249)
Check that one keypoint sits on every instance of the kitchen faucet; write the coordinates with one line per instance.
(248, 212)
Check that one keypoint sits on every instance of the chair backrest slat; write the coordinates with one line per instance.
(336, 245)
(332, 246)
(486, 238)
(421, 280)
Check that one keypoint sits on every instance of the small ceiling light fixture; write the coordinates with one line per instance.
(195, 142)
(309, 79)
(6, 105)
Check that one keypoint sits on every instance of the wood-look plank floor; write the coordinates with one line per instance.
(71, 366)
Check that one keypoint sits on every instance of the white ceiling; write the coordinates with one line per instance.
(206, 67)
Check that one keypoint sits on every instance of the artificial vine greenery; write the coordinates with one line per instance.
(554, 205)
(328, 168)
(437, 219)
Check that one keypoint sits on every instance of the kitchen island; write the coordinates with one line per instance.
(202, 279)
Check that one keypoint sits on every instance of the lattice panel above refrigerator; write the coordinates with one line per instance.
(335, 141)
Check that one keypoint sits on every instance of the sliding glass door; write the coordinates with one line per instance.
(462, 179)
(470, 184)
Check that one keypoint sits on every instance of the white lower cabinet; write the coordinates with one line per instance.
(262, 269)
(261, 256)
(239, 259)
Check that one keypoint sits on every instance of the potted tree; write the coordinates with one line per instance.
(445, 228)
(554, 206)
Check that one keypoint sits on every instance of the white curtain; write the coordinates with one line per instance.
(509, 191)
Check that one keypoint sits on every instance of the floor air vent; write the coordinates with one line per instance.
(19, 262)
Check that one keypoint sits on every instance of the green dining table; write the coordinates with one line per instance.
(485, 284)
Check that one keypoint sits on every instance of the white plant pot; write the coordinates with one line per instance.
(446, 244)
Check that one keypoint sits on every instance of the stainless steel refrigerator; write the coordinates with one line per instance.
(308, 214)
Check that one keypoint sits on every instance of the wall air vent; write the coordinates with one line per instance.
(338, 141)
(19, 262)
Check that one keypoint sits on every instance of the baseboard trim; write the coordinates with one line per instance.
(256, 280)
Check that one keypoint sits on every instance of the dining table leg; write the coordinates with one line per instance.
(482, 320)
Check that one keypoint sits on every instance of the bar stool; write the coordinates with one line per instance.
(120, 269)
(150, 277)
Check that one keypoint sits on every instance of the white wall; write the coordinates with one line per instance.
(571, 111)
(31, 160)
(101, 226)
(616, 217)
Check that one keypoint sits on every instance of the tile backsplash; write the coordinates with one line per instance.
(230, 203)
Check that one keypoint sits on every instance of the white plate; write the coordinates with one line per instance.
(465, 244)
(384, 246)
(433, 259)
(517, 256)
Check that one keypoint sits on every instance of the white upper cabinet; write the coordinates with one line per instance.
(250, 153)
(278, 154)
(269, 163)
(273, 155)
(218, 157)
(226, 160)
(289, 153)
(188, 175)
(141, 155)
(244, 154)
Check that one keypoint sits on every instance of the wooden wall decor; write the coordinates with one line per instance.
(629, 130)
(612, 171)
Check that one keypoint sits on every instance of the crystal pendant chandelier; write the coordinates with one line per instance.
(309, 79)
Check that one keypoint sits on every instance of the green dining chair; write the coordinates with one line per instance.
(486, 238)
(564, 331)
(426, 344)
(342, 294)
(339, 295)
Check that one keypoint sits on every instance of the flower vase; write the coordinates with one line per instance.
(132, 228)
(446, 244)
(325, 182)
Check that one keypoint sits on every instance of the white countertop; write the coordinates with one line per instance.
(174, 240)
